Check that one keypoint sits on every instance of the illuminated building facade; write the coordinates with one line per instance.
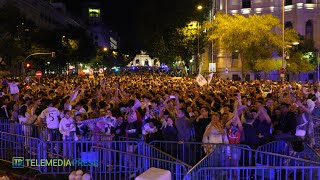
(102, 36)
(302, 15)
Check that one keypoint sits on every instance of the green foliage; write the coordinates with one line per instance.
(256, 37)
(297, 63)
(267, 65)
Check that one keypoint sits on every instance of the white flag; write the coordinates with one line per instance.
(210, 78)
(201, 80)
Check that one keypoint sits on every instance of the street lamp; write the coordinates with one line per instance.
(283, 46)
(105, 49)
(199, 8)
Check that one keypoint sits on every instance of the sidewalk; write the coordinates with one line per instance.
(19, 174)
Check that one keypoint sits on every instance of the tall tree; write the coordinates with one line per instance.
(256, 37)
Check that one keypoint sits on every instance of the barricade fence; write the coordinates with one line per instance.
(218, 160)
(14, 147)
(317, 135)
(191, 152)
(39, 143)
(115, 164)
(270, 173)
(291, 148)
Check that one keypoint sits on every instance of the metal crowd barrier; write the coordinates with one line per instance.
(14, 147)
(24, 129)
(259, 173)
(317, 136)
(189, 152)
(114, 164)
(286, 148)
(217, 165)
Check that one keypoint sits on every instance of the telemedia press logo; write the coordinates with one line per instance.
(20, 162)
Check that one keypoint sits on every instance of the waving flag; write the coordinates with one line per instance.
(201, 80)
(210, 78)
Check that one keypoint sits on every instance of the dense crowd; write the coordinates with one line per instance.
(161, 107)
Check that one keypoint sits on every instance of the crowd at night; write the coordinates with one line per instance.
(161, 107)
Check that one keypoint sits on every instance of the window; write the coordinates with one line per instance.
(137, 62)
(309, 30)
(246, 3)
(288, 25)
(309, 1)
(146, 62)
(94, 12)
(288, 2)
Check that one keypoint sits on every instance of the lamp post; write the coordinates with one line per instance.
(34, 54)
(283, 46)
(318, 65)
(199, 8)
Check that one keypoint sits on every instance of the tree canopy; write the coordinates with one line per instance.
(255, 37)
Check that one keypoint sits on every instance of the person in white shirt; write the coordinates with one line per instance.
(67, 128)
(50, 116)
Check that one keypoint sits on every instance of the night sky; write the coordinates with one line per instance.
(136, 21)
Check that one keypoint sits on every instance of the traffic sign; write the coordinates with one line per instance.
(100, 71)
(38, 74)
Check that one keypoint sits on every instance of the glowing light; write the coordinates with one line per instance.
(246, 11)
(94, 12)
(299, 5)
(199, 7)
(105, 49)
(310, 6)
(272, 8)
(288, 8)
(234, 11)
(258, 10)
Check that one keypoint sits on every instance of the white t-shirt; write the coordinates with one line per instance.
(51, 116)
(66, 126)
(14, 89)
(24, 119)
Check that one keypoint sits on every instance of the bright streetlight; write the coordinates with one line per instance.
(105, 49)
(199, 8)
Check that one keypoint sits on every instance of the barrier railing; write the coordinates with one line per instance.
(25, 129)
(270, 173)
(16, 148)
(115, 164)
(217, 160)
(190, 152)
(317, 135)
(286, 148)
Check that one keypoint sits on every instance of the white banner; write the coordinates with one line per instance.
(201, 80)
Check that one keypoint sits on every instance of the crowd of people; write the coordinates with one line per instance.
(160, 107)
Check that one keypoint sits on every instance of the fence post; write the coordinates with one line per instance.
(43, 152)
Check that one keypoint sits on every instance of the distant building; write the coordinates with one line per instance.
(43, 14)
(102, 36)
(143, 59)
